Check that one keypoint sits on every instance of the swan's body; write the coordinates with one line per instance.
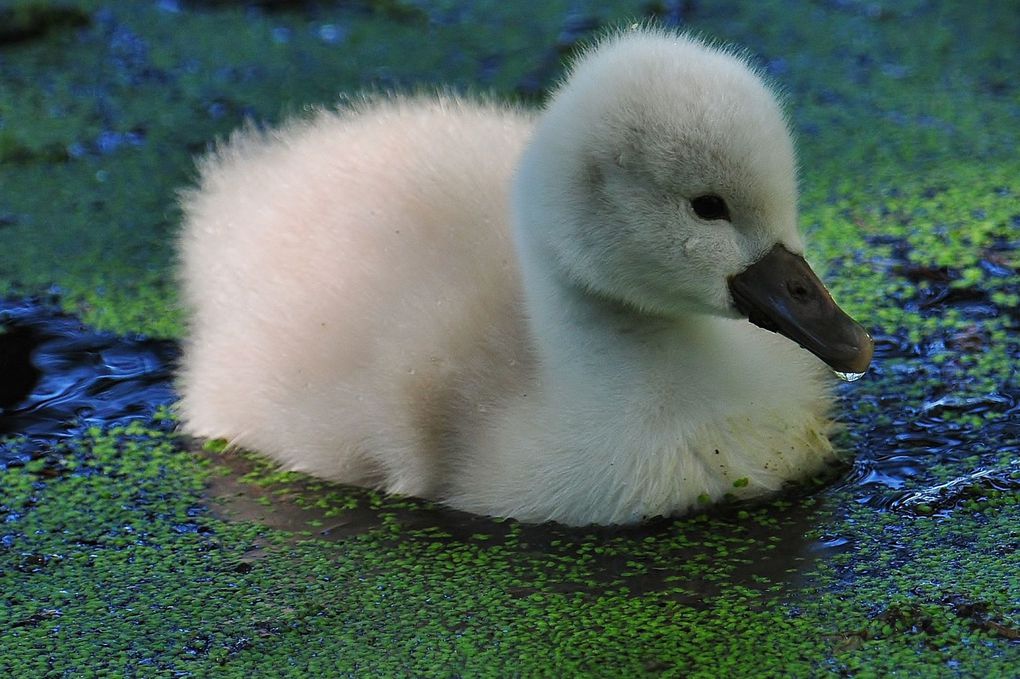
(371, 303)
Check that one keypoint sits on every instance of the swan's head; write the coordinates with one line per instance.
(662, 176)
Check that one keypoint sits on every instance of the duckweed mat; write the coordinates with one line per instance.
(127, 550)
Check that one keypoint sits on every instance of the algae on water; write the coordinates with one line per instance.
(114, 560)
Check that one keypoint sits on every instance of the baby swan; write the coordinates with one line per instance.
(540, 318)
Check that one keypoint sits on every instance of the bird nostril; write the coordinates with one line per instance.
(797, 290)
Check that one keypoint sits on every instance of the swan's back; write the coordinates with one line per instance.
(349, 276)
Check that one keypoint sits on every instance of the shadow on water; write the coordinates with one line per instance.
(61, 378)
(771, 551)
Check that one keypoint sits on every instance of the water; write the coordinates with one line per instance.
(848, 377)
(60, 378)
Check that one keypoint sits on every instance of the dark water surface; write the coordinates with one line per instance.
(59, 377)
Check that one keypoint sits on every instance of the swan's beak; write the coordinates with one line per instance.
(781, 293)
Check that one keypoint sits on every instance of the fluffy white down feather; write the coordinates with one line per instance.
(518, 315)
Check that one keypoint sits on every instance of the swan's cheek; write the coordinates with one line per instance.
(707, 263)
(712, 254)
(693, 245)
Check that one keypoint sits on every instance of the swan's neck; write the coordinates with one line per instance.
(585, 341)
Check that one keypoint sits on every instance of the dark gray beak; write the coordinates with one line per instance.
(781, 293)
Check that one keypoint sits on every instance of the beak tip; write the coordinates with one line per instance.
(857, 357)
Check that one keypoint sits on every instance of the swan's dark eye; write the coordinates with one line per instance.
(710, 207)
